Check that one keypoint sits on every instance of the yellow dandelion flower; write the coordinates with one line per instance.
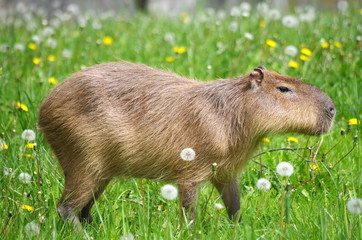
(306, 52)
(262, 24)
(304, 58)
(21, 106)
(107, 40)
(360, 11)
(266, 140)
(52, 81)
(185, 18)
(3, 145)
(179, 50)
(30, 145)
(293, 139)
(170, 59)
(353, 121)
(27, 207)
(337, 44)
(271, 43)
(32, 46)
(324, 44)
(314, 167)
(36, 61)
(293, 64)
(27, 155)
(51, 58)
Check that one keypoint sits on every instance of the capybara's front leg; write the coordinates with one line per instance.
(188, 197)
(231, 196)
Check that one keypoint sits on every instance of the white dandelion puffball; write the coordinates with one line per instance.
(291, 51)
(233, 27)
(285, 169)
(188, 154)
(245, 7)
(342, 6)
(128, 236)
(169, 192)
(290, 21)
(249, 36)
(308, 15)
(24, 177)
(273, 14)
(67, 53)
(32, 228)
(262, 8)
(19, 47)
(219, 206)
(235, 12)
(263, 184)
(51, 42)
(28, 135)
(355, 205)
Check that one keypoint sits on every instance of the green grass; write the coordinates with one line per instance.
(317, 200)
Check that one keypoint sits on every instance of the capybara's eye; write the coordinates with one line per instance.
(283, 89)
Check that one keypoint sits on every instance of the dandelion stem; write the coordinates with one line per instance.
(182, 194)
(280, 149)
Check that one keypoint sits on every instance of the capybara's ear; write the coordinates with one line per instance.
(257, 76)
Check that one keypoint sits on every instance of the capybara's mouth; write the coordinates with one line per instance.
(326, 124)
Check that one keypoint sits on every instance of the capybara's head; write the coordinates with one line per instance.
(281, 103)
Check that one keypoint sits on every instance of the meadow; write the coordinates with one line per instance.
(323, 48)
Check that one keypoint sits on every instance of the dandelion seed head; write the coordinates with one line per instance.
(219, 206)
(290, 21)
(263, 184)
(128, 236)
(290, 50)
(169, 37)
(188, 154)
(249, 36)
(47, 31)
(235, 11)
(8, 172)
(67, 53)
(28, 135)
(169, 192)
(24, 178)
(19, 47)
(273, 14)
(262, 8)
(51, 42)
(233, 27)
(36, 39)
(342, 6)
(32, 228)
(354, 205)
(245, 7)
(308, 14)
(285, 169)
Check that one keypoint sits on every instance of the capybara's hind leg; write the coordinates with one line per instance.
(78, 192)
(231, 197)
(188, 199)
(85, 214)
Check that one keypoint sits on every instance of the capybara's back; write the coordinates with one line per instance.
(130, 120)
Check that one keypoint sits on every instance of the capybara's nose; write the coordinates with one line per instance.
(332, 110)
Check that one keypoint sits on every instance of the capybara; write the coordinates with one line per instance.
(130, 120)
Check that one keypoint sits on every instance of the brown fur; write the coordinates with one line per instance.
(130, 120)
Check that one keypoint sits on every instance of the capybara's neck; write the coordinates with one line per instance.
(228, 100)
